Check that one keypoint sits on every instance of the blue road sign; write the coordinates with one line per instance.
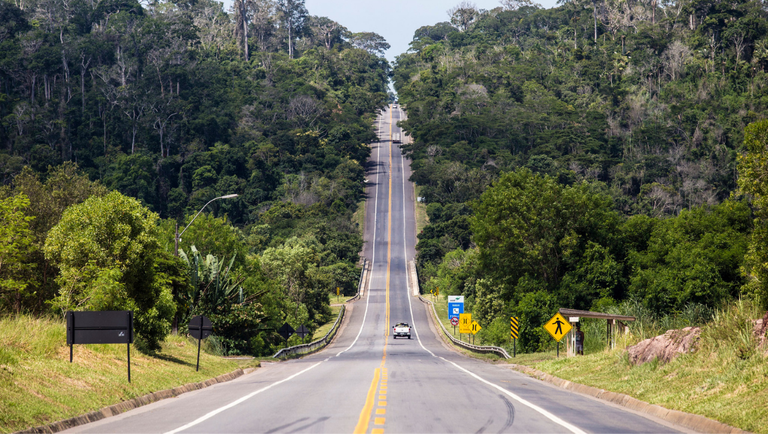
(455, 306)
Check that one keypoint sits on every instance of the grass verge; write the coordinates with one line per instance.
(724, 380)
(38, 384)
(358, 217)
(325, 328)
(441, 307)
(420, 212)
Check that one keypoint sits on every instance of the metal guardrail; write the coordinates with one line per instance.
(311, 347)
(360, 282)
(476, 348)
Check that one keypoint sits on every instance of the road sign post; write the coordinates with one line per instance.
(454, 323)
(558, 327)
(465, 324)
(474, 329)
(103, 327)
(286, 331)
(514, 333)
(199, 328)
(302, 331)
(455, 306)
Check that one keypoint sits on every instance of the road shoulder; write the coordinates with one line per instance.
(694, 422)
(122, 407)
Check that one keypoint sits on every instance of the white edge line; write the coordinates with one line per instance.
(239, 401)
(373, 249)
(252, 394)
(572, 428)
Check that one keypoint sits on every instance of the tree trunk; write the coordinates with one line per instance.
(245, 33)
(594, 15)
(290, 40)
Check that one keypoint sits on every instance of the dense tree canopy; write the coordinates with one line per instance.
(586, 156)
(107, 251)
(174, 104)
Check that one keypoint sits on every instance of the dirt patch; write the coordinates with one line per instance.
(665, 347)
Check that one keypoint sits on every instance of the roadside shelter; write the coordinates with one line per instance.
(615, 324)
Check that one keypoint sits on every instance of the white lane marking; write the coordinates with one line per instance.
(572, 428)
(373, 255)
(239, 401)
(365, 314)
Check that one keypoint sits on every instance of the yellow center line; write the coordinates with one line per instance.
(380, 373)
(362, 422)
(389, 235)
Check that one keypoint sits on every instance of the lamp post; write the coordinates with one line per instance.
(178, 235)
(177, 238)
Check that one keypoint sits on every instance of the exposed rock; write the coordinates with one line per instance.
(665, 347)
(760, 330)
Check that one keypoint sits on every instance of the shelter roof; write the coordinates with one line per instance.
(589, 314)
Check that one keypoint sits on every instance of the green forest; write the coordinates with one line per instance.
(605, 155)
(119, 121)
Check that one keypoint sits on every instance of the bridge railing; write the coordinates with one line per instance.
(311, 347)
(476, 348)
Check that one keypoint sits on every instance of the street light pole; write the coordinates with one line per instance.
(178, 235)
(177, 238)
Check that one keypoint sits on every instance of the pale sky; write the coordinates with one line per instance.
(395, 20)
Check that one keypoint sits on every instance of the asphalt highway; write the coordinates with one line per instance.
(368, 382)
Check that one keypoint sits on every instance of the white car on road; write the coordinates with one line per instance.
(402, 329)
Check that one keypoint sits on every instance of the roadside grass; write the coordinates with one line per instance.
(358, 217)
(726, 379)
(441, 307)
(38, 384)
(323, 329)
(420, 211)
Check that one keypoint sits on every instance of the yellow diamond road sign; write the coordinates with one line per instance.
(475, 327)
(557, 327)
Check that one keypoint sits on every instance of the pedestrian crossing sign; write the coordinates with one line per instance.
(557, 327)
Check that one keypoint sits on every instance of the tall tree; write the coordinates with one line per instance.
(15, 248)
(753, 173)
(241, 26)
(371, 42)
(294, 15)
(107, 249)
(328, 31)
(463, 15)
(61, 187)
